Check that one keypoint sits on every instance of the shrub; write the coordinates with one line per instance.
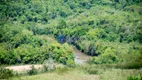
(133, 61)
(70, 63)
(108, 56)
(61, 53)
(134, 78)
(5, 73)
(45, 66)
(33, 71)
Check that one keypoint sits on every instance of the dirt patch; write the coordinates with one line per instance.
(80, 57)
(23, 67)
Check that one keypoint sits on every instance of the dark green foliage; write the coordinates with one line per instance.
(5, 73)
(130, 65)
(92, 50)
(134, 78)
(33, 71)
(62, 24)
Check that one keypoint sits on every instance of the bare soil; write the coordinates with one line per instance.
(23, 67)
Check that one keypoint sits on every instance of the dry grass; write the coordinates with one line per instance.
(120, 74)
(69, 75)
(80, 73)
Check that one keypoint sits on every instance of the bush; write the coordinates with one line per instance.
(45, 66)
(92, 50)
(33, 71)
(5, 73)
(134, 77)
(133, 61)
(70, 63)
(61, 53)
(107, 57)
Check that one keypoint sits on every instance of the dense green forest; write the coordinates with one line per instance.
(108, 30)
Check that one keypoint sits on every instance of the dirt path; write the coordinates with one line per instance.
(23, 67)
(80, 57)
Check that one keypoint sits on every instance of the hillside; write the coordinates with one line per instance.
(110, 31)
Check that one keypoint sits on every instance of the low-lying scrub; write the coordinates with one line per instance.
(6, 73)
(32, 71)
(87, 72)
(62, 70)
(135, 77)
(132, 65)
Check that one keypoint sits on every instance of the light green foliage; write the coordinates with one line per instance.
(108, 56)
(61, 53)
(106, 29)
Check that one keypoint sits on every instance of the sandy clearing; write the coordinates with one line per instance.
(80, 57)
(23, 67)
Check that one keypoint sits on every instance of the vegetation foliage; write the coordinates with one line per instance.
(109, 30)
(6, 73)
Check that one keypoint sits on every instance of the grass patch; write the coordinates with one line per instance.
(90, 69)
(62, 70)
(85, 72)
(129, 65)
